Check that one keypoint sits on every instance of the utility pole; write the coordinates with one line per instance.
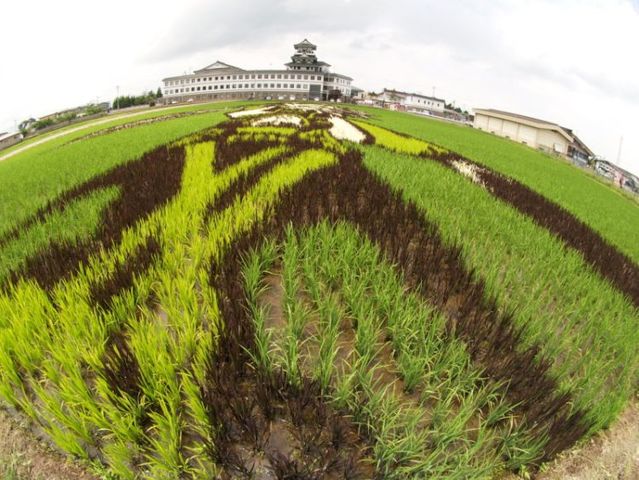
(117, 96)
(619, 151)
(434, 88)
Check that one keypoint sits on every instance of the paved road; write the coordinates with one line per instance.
(108, 119)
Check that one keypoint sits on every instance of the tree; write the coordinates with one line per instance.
(158, 94)
(334, 94)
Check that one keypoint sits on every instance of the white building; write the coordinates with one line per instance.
(411, 102)
(305, 78)
(540, 134)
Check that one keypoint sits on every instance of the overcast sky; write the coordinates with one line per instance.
(574, 62)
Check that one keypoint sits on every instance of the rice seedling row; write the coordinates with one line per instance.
(584, 329)
(613, 216)
(618, 268)
(255, 303)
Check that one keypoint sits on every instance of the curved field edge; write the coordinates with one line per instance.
(80, 129)
(164, 331)
(609, 212)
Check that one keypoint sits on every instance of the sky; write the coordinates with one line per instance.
(573, 62)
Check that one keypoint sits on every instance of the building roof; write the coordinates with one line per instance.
(221, 68)
(623, 171)
(313, 64)
(217, 65)
(339, 75)
(5, 135)
(398, 92)
(515, 115)
(537, 123)
(304, 44)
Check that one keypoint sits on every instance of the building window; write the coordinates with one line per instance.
(286, 76)
(272, 85)
(210, 88)
(259, 76)
(279, 85)
(214, 87)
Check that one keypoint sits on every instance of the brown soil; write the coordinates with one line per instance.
(385, 375)
(611, 454)
(23, 456)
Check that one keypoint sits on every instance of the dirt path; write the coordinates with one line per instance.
(107, 119)
(613, 454)
(24, 457)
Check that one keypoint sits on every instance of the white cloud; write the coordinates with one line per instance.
(570, 61)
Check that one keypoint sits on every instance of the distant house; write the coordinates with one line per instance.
(620, 177)
(8, 139)
(536, 133)
(357, 94)
(410, 102)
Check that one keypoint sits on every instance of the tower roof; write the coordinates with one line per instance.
(305, 44)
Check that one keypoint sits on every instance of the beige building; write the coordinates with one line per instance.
(305, 78)
(540, 134)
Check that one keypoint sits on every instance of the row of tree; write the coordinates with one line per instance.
(149, 98)
(451, 106)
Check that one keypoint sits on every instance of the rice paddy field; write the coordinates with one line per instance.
(308, 291)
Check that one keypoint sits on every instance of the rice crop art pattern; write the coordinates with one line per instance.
(255, 302)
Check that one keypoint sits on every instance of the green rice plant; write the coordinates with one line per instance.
(433, 433)
(167, 460)
(61, 168)
(76, 223)
(127, 376)
(528, 270)
(254, 266)
(398, 143)
(605, 209)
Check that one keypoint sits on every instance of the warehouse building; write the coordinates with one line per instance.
(305, 78)
(539, 134)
